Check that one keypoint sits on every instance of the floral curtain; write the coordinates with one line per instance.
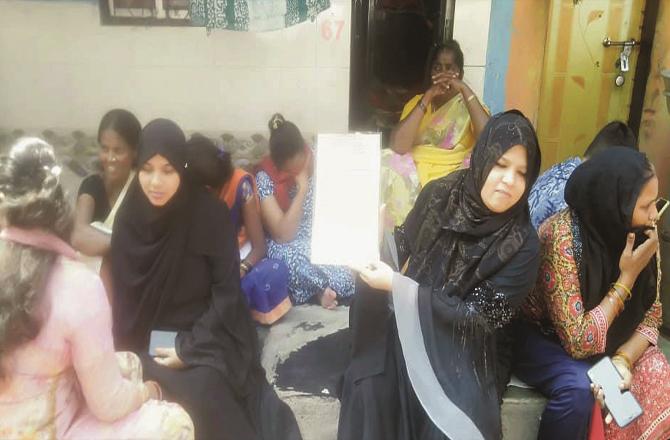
(254, 15)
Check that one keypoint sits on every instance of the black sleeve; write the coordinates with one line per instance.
(498, 298)
(95, 187)
(492, 304)
(224, 337)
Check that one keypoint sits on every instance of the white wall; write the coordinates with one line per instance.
(59, 68)
(471, 30)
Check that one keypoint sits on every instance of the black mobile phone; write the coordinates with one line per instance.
(621, 404)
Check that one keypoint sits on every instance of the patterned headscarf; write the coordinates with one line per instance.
(455, 241)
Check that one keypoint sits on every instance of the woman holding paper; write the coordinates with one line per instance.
(100, 195)
(285, 188)
(175, 266)
(435, 135)
(428, 361)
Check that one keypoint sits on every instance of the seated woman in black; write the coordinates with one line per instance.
(175, 268)
(101, 194)
(425, 362)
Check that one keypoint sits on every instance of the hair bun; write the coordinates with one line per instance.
(276, 121)
(30, 170)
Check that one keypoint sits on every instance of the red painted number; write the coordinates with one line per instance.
(327, 29)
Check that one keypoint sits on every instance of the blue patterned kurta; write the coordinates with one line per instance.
(547, 196)
(305, 278)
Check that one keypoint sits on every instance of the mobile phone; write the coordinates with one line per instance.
(161, 339)
(621, 404)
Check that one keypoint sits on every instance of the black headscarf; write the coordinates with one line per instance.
(149, 242)
(602, 193)
(455, 241)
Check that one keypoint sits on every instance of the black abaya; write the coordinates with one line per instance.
(176, 268)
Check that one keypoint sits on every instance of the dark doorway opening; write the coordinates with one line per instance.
(389, 46)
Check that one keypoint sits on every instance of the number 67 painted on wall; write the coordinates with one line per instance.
(332, 29)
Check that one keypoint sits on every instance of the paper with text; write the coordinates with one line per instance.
(345, 228)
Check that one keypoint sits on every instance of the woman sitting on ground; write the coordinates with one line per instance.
(426, 363)
(176, 268)
(285, 189)
(598, 294)
(264, 281)
(59, 375)
(100, 195)
(436, 133)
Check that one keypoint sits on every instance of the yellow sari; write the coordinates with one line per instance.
(445, 139)
(444, 142)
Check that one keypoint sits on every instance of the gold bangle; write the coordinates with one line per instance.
(616, 298)
(625, 288)
(621, 355)
(619, 294)
(471, 97)
(423, 106)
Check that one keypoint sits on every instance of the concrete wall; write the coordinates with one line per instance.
(61, 69)
(473, 15)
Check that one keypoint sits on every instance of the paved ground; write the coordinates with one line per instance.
(317, 415)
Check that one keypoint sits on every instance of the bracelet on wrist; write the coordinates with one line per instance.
(625, 289)
(623, 357)
(616, 301)
(422, 106)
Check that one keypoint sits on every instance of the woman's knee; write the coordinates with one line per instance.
(576, 394)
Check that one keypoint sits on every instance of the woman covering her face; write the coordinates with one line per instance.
(598, 294)
(176, 267)
(425, 362)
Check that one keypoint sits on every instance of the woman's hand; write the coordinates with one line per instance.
(168, 358)
(440, 86)
(599, 395)
(154, 391)
(633, 261)
(624, 372)
(446, 81)
(376, 275)
(302, 178)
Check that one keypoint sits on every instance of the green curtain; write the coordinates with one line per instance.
(254, 15)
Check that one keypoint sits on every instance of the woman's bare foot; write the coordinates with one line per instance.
(328, 299)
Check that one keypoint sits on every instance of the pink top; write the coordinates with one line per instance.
(74, 351)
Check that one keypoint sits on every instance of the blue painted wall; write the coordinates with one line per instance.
(497, 54)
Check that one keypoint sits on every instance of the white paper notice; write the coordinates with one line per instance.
(345, 228)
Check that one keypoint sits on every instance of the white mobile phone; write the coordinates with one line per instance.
(161, 339)
(622, 405)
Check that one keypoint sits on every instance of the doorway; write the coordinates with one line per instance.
(389, 46)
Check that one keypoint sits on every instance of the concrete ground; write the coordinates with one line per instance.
(318, 415)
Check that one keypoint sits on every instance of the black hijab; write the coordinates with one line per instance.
(602, 193)
(148, 242)
(455, 241)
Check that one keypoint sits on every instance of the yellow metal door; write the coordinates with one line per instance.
(578, 93)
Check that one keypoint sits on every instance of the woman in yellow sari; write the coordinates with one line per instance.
(436, 133)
